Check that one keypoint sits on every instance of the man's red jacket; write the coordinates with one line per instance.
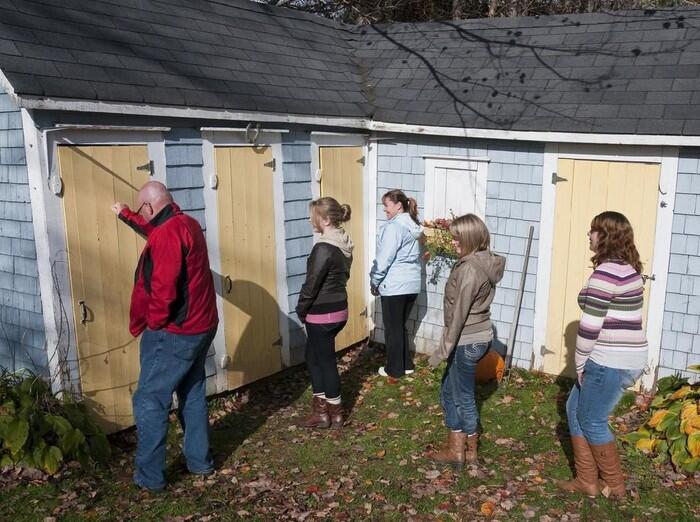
(173, 287)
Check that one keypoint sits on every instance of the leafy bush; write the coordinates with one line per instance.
(39, 431)
(673, 429)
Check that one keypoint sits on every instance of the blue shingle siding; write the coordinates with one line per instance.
(296, 173)
(512, 204)
(680, 339)
(184, 178)
(22, 341)
(183, 159)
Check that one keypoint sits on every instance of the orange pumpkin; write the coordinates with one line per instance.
(490, 367)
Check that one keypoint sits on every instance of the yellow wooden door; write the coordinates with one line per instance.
(102, 257)
(588, 188)
(341, 178)
(248, 257)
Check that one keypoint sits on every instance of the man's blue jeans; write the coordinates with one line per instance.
(171, 363)
(590, 404)
(457, 391)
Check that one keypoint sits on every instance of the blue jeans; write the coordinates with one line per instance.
(590, 404)
(171, 363)
(457, 391)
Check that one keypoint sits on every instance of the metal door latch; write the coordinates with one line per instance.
(272, 164)
(646, 277)
(83, 312)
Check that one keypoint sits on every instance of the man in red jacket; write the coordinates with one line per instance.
(173, 308)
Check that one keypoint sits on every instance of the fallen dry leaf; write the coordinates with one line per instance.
(487, 508)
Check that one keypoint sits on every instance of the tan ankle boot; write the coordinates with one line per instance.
(451, 453)
(335, 413)
(319, 415)
(586, 480)
(607, 460)
(470, 453)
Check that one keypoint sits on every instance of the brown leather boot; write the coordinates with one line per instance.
(470, 453)
(607, 459)
(451, 453)
(586, 480)
(319, 415)
(335, 412)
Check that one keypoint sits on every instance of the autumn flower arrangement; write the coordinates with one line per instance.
(438, 240)
(439, 250)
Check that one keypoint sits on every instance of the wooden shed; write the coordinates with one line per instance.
(248, 112)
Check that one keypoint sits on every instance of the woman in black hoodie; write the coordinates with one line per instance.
(323, 308)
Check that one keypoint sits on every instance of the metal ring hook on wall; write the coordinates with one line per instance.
(252, 132)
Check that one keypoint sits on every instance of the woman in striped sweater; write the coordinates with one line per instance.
(611, 352)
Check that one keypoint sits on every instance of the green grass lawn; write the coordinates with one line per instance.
(373, 469)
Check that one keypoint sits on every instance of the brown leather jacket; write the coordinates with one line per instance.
(468, 296)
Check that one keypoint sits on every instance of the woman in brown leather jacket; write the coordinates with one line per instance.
(468, 296)
(323, 308)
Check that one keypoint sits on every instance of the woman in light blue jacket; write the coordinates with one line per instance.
(396, 277)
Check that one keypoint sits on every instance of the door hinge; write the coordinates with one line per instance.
(148, 167)
(556, 179)
(272, 164)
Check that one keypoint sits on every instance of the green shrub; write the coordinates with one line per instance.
(37, 430)
(673, 428)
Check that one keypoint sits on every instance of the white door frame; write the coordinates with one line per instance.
(369, 185)
(212, 138)
(667, 158)
(41, 147)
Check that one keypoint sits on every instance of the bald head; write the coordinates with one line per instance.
(155, 195)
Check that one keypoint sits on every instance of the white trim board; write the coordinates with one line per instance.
(662, 254)
(667, 157)
(37, 187)
(237, 138)
(372, 174)
(33, 102)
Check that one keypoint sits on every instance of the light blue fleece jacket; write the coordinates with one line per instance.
(397, 266)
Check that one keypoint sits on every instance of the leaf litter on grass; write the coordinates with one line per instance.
(375, 468)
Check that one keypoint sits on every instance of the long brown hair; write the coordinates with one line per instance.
(328, 207)
(409, 205)
(471, 233)
(615, 240)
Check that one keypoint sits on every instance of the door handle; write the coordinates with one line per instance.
(83, 312)
(229, 284)
(363, 313)
(646, 277)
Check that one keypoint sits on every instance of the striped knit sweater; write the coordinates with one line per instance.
(610, 332)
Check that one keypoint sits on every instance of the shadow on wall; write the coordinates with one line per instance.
(266, 399)
(256, 329)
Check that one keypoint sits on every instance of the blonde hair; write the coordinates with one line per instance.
(329, 208)
(471, 233)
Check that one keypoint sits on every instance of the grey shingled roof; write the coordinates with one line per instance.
(195, 53)
(627, 72)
